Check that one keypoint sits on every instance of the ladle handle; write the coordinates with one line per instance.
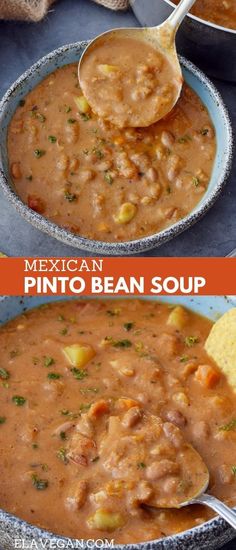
(179, 13)
(222, 509)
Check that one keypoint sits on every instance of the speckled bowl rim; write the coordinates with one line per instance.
(204, 21)
(214, 525)
(126, 247)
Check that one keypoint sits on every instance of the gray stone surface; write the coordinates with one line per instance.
(21, 44)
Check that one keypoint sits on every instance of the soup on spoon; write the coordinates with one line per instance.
(132, 77)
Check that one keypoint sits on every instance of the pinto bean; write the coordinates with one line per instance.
(75, 500)
(160, 469)
(16, 170)
(225, 474)
(132, 417)
(167, 139)
(173, 433)
(177, 418)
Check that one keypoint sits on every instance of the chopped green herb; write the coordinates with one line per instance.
(128, 326)
(67, 109)
(122, 344)
(52, 139)
(40, 117)
(64, 331)
(185, 138)
(4, 374)
(228, 427)
(22, 102)
(39, 484)
(14, 353)
(5, 385)
(70, 197)
(18, 400)
(191, 340)
(99, 154)
(196, 181)
(62, 455)
(2, 419)
(48, 361)
(184, 358)
(204, 131)
(233, 470)
(54, 376)
(85, 407)
(85, 391)
(65, 412)
(141, 465)
(79, 374)
(35, 446)
(95, 459)
(85, 116)
(29, 177)
(63, 435)
(61, 318)
(38, 153)
(168, 189)
(108, 178)
(113, 312)
(71, 120)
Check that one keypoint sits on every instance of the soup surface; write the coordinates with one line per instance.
(79, 381)
(101, 182)
(128, 82)
(221, 12)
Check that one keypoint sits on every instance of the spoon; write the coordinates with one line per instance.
(199, 497)
(162, 40)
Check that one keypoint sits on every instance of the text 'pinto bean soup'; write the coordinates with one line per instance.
(96, 398)
(102, 182)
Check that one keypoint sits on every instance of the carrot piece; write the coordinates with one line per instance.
(125, 404)
(207, 376)
(98, 408)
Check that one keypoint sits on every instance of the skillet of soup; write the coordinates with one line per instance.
(78, 380)
(101, 182)
(221, 12)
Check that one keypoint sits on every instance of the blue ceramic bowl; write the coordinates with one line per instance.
(209, 96)
(211, 535)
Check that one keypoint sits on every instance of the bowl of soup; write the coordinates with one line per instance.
(71, 371)
(207, 35)
(105, 189)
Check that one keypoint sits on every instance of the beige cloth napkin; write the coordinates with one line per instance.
(34, 10)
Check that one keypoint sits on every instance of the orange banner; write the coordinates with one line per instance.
(111, 276)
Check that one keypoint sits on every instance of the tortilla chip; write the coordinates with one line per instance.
(221, 345)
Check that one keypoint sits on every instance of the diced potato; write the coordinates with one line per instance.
(107, 69)
(126, 213)
(178, 317)
(105, 520)
(79, 354)
(82, 104)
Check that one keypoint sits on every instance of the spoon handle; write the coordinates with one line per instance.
(222, 509)
(179, 13)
